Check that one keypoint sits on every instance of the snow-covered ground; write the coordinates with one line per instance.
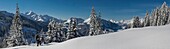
(137, 38)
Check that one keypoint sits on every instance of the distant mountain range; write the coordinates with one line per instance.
(37, 22)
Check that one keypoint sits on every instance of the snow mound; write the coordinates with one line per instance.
(136, 38)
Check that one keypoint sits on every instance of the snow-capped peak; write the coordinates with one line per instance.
(34, 16)
(113, 21)
(38, 17)
(87, 21)
(30, 13)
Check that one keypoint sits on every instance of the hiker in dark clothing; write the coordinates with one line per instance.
(42, 40)
(38, 39)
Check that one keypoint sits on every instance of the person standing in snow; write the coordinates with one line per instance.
(42, 40)
(38, 39)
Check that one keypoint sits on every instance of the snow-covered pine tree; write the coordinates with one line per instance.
(168, 21)
(99, 25)
(60, 35)
(155, 17)
(152, 18)
(146, 20)
(72, 30)
(15, 36)
(50, 33)
(54, 32)
(164, 11)
(159, 21)
(136, 22)
(160, 15)
(93, 22)
(168, 18)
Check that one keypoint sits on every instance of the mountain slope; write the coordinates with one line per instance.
(5, 21)
(79, 20)
(41, 18)
(107, 25)
(137, 38)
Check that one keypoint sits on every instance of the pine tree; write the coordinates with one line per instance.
(152, 19)
(50, 33)
(60, 35)
(160, 16)
(54, 32)
(168, 21)
(155, 17)
(159, 21)
(164, 13)
(72, 30)
(93, 22)
(99, 25)
(136, 22)
(147, 20)
(15, 36)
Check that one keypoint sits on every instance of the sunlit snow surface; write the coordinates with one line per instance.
(137, 38)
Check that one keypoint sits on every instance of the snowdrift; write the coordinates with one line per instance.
(137, 38)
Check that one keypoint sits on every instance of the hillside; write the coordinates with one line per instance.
(137, 38)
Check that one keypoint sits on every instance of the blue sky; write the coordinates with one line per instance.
(64, 9)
